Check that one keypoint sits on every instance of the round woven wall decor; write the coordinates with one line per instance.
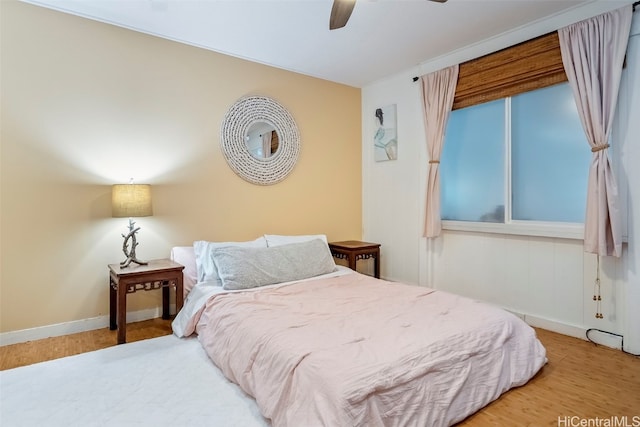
(262, 171)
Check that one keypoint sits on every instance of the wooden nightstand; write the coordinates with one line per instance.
(159, 273)
(353, 250)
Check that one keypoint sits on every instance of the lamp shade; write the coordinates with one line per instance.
(131, 200)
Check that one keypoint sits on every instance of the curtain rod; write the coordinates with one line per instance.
(636, 4)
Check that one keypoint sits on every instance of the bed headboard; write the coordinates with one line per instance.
(186, 256)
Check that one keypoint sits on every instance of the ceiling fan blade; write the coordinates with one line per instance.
(439, 1)
(340, 13)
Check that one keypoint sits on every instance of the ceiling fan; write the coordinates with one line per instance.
(341, 11)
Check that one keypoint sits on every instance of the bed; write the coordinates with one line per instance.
(316, 344)
(161, 382)
(246, 357)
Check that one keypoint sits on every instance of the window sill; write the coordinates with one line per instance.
(520, 228)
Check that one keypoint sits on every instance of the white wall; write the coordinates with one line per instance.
(548, 280)
(391, 202)
(629, 132)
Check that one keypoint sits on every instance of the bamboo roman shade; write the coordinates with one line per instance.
(527, 66)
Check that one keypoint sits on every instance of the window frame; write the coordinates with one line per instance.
(564, 230)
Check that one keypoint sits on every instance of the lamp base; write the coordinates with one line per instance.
(130, 254)
(129, 260)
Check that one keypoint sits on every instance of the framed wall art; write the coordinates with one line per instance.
(385, 140)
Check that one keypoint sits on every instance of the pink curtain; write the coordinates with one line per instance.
(438, 90)
(593, 53)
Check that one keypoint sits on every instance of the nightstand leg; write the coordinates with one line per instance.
(376, 264)
(352, 261)
(165, 301)
(122, 313)
(112, 305)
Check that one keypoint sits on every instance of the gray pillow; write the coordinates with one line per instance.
(245, 267)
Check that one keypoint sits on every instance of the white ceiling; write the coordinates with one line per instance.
(382, 38)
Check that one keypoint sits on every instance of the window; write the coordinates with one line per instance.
(472, 164)
(521, 162)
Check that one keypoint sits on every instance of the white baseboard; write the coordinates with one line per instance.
(90, 324)
(571, 330)
(66, 328)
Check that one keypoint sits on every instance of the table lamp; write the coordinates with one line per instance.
(132, 201)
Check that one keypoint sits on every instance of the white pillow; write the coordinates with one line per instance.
(185, 255)
(278, 240)
(205, 266)
(245, 268)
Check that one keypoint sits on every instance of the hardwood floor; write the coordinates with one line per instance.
(13, 356)
(581, 381)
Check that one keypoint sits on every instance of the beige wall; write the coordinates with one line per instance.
(86, 105)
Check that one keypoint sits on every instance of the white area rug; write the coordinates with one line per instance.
(164, 381)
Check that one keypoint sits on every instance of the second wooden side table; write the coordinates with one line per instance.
(353, 250)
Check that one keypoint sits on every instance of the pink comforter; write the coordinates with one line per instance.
(357, 351)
